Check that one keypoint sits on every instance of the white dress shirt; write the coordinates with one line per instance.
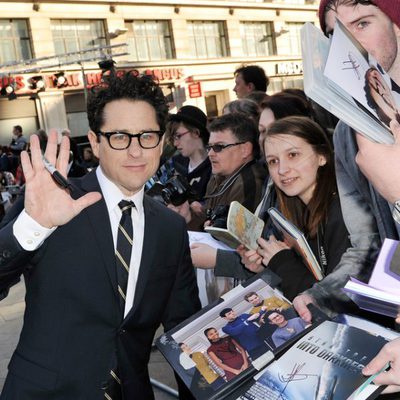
(31, 235)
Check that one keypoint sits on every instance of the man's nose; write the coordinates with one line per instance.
(134, 148)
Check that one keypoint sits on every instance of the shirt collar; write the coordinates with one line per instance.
(112, 194)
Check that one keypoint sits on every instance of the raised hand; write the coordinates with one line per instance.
(46, 202)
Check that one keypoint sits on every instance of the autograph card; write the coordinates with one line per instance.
(358, 73)
(325, 364)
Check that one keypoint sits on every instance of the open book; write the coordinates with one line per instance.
(242, 227)
(381, 294)
(295, 239)
(251, 344)
(331, 96)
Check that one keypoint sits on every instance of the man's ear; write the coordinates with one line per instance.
(247, 149)
(94, 143)
(251, 86)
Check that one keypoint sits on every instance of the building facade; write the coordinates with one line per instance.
(49, 52)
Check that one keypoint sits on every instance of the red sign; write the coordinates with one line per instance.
(194, 90)
(22, 84)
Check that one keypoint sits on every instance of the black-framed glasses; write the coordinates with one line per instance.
(122, 140)
(217, 148)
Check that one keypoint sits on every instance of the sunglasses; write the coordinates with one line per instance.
(217, 148)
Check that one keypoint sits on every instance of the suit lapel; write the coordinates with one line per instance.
(101, 228)
(148, 252)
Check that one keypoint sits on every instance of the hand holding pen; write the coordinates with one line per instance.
(56, 175)
(46, 199)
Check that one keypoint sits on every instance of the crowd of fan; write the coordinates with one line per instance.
(277, 151)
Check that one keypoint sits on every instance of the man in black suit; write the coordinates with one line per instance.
(85, 336)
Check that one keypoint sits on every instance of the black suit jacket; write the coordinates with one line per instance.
(72, 329)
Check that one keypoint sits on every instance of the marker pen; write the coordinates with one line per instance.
(59, 179)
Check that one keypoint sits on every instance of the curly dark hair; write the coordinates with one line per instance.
(129, 86)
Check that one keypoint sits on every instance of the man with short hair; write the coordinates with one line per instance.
(368, 216)
(233, 150)
(244, 331)
(18, 142)
(249, 79)
(270, 303)
(286, 329)
(96, 289)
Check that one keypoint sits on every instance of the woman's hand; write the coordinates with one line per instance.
(268, 248)
(250, 259)
(300, 303)
(203, 255)
(388, 354)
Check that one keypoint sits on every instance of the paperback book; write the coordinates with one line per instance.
(242, 227)
(295, 239)
(381, 293)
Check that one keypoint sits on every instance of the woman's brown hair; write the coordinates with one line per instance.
(308, 217)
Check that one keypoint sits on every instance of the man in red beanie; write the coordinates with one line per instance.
(368, 215)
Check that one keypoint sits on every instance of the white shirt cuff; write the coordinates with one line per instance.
(29, 233)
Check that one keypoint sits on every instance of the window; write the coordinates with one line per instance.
(149, 40)
(14, 40)
(257, 38)
(207, 39)
(72, 35)
(288, 38)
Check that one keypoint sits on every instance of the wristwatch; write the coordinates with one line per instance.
(396, 211)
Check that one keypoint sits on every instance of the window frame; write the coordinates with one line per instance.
(16, 40)
(270, 47)
(103, 40)
(165, 42)
(224, 42)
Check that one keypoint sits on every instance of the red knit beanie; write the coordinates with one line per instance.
(390, 7)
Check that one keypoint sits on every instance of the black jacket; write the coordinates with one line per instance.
(73, 327)
(288, 265)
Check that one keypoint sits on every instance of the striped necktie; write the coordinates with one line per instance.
(124, 249)
(123, 257)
